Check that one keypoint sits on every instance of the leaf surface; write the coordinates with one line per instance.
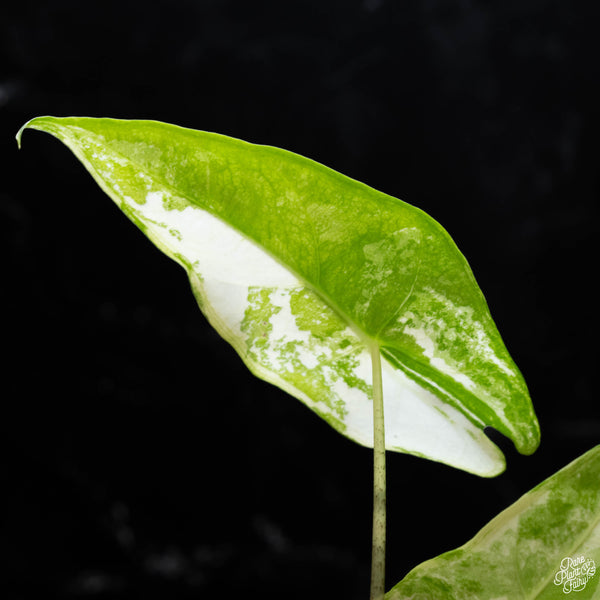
(543, 547)
(300, 268)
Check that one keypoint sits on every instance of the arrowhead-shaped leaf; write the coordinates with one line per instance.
(543, 547)
(301, 268)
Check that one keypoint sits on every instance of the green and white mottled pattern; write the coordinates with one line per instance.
(546, 546)
(300, 268)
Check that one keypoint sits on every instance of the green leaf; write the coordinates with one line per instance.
(301, 268)
(544, 546)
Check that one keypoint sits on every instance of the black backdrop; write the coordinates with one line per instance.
(139, 458)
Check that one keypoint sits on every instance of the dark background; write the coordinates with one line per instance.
(139, 457)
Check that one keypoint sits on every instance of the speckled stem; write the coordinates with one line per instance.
(378, 553)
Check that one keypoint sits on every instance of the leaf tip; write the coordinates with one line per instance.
(31, 124)
(20, 133)
(530, 442)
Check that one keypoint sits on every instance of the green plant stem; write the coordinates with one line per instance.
(378, 552)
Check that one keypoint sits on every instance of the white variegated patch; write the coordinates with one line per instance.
(227, 268)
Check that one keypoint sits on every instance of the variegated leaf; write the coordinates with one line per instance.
(546, 546)
(300, 268)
